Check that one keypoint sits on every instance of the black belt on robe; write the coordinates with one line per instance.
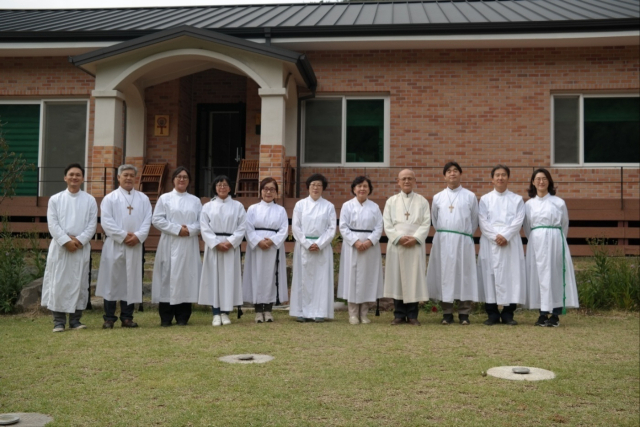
(277, 262)
(265, 229)
(360, 231)
(222, 234)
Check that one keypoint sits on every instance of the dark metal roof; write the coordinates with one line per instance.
(300, 60)
(394, 17)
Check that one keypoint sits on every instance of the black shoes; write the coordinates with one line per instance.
(542, 321)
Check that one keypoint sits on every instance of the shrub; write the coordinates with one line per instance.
(20, 263)
(613, 282)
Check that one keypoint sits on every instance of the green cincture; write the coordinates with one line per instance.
(456, 232)
(564, 266)
(311, 237)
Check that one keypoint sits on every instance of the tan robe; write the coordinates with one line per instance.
(405, 267)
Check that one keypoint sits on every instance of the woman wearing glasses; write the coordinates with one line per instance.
(314, 227)
(176, 271)
(265, 269)
(222, 222)
(551, 281)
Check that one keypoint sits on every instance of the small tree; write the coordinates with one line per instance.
(12, 169)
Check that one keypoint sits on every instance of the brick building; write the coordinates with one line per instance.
(344, 89)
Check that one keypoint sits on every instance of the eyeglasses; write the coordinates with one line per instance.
(269, 190)
(407, 179)
(182, 178)
(222, 185)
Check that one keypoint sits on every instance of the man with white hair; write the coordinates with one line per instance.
(125, 219)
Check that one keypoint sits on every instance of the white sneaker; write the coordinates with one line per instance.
(364, 319)
(268, 317)
(259, 318)
(354, 320)
(58, 329)
(216, 320)
(225, 319)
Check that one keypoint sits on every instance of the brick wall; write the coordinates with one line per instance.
(479, 107)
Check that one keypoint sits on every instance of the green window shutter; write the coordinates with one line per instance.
(21, 131)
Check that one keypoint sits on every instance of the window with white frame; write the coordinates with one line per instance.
(49, 134)
(345, 130)
(596, 130)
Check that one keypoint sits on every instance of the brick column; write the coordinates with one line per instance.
(272, 159)
(105, 161)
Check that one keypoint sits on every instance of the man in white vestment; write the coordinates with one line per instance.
(126, 219)
(72, 215)
(501, 266)
(406, 223)
(452, 273)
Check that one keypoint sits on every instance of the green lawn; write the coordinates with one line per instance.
(330, 374)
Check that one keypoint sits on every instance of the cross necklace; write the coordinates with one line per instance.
(130, 202)
(406, 210)
(451, 202)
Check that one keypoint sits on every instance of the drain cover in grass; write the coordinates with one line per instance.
(246, 358)
(30, 419)
(519, 373)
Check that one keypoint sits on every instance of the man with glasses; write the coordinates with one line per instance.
(125, 219)
(406, 223)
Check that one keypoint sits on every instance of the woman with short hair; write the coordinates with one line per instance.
(176, 270)
(265, 270)
(222, 223)
(314, 227)
(360, 277)
(551, 280)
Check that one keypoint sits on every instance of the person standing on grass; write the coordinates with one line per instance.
(126, 220)
(407, 219)
(72, 216)
(551, 282)
(360, 277)
(265, 265)
(222, 224)
(314, 227)
(177, 267)
(501, 268)
(452, 273)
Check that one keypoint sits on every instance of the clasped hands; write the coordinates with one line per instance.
(265, 244)
(362, 246)
(407, 241)
(501, 241)
(73, 244)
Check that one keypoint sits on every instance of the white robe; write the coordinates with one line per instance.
(221, 280)
(120, 274)
(312, 283)
(360, 277)
(544, 254)
(452, 273)
(501, 269)
(259, 279)
(65, 287)
(405, 267)
(177, 267)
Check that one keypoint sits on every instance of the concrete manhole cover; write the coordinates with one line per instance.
(25, 419)
(246, 358)
(517, 373)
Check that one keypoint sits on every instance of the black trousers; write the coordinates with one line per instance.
(404, 310)
(495, 314)
(126, 310)
(182, 312)
(262, 308)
